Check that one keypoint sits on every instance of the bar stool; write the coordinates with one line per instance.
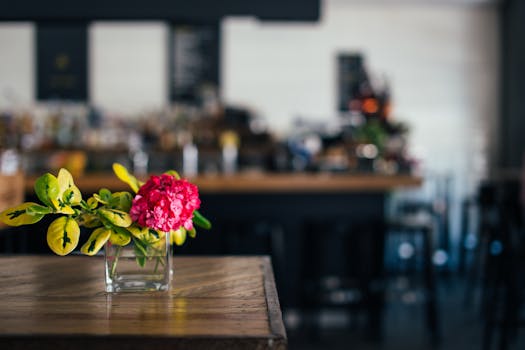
(504, 268)
(411, 227)
(332, 274)
(341, 284)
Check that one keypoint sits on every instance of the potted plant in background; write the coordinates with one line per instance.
(137, 231)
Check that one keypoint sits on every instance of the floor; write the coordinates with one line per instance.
(404, 326)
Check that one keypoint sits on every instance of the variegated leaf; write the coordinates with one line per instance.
(48, 190)
(115, 217)
(21, 215)
(121, 201)
(69, 192)
(146, 234)
(96, 241)
(120, 236)
(63, 235)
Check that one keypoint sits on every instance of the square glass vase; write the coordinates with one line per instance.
(138, 267)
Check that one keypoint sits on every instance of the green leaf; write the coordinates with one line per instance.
(146, 234)
(20, 215)
(88, 220)
(201, 221)
(141, 246)
(192, 232)
(96, 241)
(120, 236)
(105, 194)
(140, 252)
(121, 201)
(37, 209)
(141, 260)
(115, 217)
(123, 174)
(173, 173)
(63, 235)
(69, 193)
(48, 190)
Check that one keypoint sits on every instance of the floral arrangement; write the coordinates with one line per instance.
(164, 204)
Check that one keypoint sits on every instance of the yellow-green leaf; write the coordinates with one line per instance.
(65, 209)
(69, 193)
(96, 241)
(38, 210)
(99, 199)
(173, 173)
(63, 235)
(121, 201)
(120, 236)
(88, 220)
(123, 174)
(178, 236)
(20, 215)
(115, 217)
(146, 234)
(105, 194)
(192, 232)
(138, 232)
(92, 203)
(48, 190)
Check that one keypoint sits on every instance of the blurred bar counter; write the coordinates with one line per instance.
(251, 182)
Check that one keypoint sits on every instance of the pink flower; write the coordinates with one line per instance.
(165, 203)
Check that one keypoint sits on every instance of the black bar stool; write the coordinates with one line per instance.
(411, 227)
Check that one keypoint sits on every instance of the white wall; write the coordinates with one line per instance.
(128, 65)
(16, 64)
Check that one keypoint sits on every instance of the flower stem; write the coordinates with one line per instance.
(157, 264)
(115, 261)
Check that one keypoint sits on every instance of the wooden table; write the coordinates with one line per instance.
(50, 302)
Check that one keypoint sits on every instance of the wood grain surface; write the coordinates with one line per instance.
(265, 182)
(215, 303)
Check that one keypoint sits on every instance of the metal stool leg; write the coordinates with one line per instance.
(430, 285)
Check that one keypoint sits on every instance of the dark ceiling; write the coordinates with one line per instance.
(177, 10)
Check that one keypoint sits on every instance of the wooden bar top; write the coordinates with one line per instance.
(264, 182)
(51, 302)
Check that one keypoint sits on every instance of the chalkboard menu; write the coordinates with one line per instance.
(194, 61)
(350, 74)
(61, 61)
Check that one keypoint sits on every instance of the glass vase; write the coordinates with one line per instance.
(138, 267)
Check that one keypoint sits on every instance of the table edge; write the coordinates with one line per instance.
(275, 318)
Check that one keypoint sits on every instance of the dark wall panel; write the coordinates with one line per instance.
(61, 61)
(512, 122)
(198, 10)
